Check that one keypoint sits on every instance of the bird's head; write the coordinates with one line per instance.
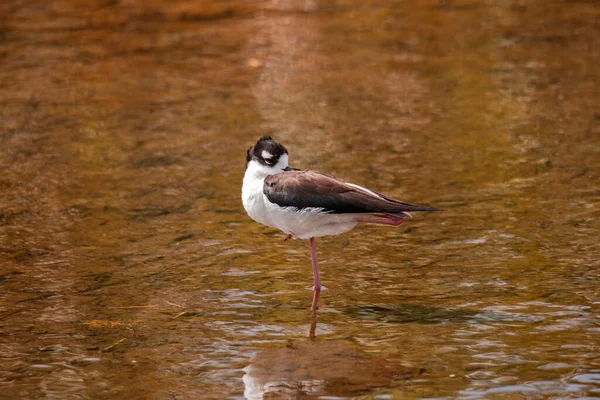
(267, 157)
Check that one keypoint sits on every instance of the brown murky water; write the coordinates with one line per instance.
(128, 268)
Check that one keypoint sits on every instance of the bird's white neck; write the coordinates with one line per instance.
(256, 170)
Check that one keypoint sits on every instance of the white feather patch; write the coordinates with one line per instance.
(265, 154)
(365, 190)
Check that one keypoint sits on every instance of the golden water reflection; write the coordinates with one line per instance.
(128, 268)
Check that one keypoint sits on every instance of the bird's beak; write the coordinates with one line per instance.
(288, 168)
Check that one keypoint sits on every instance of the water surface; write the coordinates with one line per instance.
(128, 268)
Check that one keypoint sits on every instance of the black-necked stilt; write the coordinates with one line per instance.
(309, 204)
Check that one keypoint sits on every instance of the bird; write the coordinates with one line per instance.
(307, 204)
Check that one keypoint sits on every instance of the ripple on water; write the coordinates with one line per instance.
(533, 389)
(42, 366)
(556, 366)
(501, 354)
(587, 378)
(239, 272)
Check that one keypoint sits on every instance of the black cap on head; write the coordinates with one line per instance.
(266, 151)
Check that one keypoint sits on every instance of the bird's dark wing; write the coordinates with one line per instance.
(303, 189)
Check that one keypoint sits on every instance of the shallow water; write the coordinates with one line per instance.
(128, 268)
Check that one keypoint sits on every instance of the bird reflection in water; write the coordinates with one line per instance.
(331, 368)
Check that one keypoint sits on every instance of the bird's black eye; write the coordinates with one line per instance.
(268, 161)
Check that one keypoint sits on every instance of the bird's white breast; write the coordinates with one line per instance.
(253, 199)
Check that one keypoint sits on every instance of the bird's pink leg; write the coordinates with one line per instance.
(313, 254)
(314, 307)
(391, 220)
(288, 237)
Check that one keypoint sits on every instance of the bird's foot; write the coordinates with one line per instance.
(288, 237)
